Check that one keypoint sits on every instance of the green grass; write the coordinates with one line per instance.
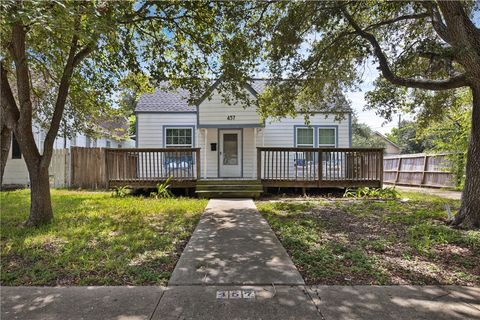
(95, 239)
(376, 242)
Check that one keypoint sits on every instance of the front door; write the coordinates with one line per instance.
(230, 153)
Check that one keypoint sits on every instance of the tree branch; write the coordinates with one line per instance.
(61, 100)
(398, 19)
(9, 105)
(437, 21)
(451, 83)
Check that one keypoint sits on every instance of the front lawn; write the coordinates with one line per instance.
(342, 241)
(95, 239)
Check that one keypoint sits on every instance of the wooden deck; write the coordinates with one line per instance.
(320, 167)
(276, 167)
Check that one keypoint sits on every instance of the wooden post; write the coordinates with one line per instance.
(320, 168)
(398, 169)
(381, 168)
(425, 164)
(197, 155)
(105, 169)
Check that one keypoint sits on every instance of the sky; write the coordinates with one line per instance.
(358, 102)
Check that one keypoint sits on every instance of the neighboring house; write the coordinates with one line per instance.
(390, 146)
(228, 135)
(111, 135)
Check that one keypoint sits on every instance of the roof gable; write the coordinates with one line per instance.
(165, 99)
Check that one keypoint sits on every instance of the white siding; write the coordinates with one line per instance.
(281, 133)
(214, 111)
(15, 171)
(150, 127)
(249, 155)
(208, 157)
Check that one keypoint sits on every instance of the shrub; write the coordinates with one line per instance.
(121, 192)
(163, 190)
(365, 192)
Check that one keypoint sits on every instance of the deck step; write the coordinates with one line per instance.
(228, 182)
(211, 187)
(227, 194)
(229, 188)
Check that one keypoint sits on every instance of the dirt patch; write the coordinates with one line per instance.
(385, 242)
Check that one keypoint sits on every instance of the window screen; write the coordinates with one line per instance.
(327, 137)
(178, 137)
(304, 137)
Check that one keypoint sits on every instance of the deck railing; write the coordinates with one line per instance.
(317, 167)
(135, 166)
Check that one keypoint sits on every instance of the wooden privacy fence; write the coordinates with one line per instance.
(88, 168)
(419, 170)
(320, 167)
(59, 169)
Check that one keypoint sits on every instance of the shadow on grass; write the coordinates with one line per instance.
(95, 239)
(368, 242)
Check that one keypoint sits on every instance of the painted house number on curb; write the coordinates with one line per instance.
(231, 117)
(235, 294)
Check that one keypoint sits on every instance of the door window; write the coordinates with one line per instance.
(230, 149)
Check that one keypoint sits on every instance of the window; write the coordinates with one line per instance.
(16, 153)
(178, 137)
(305, 140)
(304, 137)
(327, 137)
(87, 142)
(108, 144)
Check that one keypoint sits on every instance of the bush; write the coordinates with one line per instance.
(121, 192)
(163, 190)
(365, 192)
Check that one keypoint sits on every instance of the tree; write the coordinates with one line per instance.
(408, 139)
(80, 50)
(450, 132)
(364, 137)
(428, 45)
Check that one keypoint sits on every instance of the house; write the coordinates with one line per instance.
(228, 135)
(110, 135)
(391, 147)
(232, 141)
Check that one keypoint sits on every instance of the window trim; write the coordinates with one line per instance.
(335, 129)
(192, 128)
(304, 145)
(315, 135)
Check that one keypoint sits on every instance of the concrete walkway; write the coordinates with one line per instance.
(235, 268)
(233, 244)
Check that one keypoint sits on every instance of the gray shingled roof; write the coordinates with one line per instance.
(164, 99)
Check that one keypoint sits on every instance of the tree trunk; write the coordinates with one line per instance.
(41, 206)
(5, 142)
(468, 216)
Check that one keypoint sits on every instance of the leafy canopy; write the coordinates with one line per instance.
(122, 44)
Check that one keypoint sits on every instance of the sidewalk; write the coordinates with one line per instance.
(234, 267)
(200, 302)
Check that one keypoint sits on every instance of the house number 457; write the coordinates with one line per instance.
(230, 117)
